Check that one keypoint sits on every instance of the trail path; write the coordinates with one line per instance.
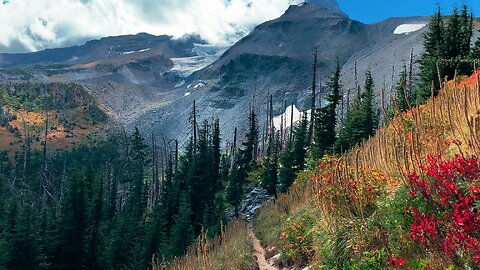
(259, 252)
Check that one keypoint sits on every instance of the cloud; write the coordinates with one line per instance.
(27, 25)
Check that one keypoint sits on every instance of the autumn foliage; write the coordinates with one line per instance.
(445, 208)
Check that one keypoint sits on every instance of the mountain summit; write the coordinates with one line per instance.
(329, 4)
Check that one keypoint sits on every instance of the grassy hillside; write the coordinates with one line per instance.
(394, 202)
(408, 197)
(73, 115)
(230, 250)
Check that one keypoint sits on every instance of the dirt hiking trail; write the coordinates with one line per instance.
(259, 252)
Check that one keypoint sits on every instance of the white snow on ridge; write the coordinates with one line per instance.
(130, 52)
(287, 115)
(408, 28)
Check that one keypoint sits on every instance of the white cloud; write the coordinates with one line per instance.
(27, 25)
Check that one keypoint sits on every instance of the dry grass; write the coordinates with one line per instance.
(231, 250)
(453, 115)
(447, 124)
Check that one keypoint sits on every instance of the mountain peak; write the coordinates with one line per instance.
(329, 4)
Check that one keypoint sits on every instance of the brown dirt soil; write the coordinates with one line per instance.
(259, 252)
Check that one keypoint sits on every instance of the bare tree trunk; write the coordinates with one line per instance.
(291, 125)
(314, 85)
(410, 81)
(176, 155)
(194, 128)
(348, 100)
(281, 129)
(357, 87)
(234, 148)
(155, 182)
(43, 179)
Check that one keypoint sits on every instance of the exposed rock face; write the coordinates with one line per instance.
(276, 58)
(330, 4)
(145, 80)
(252, 202)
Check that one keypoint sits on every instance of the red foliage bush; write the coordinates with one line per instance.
(444, 208)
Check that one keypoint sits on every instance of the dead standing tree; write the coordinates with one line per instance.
(313, 95)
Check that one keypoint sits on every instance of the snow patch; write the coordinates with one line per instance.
(130, 52)
(287, 115)
(199, 85)
(408, 28)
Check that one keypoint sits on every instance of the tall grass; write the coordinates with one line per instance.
(404, 144)
(447, 124)
(231, 250)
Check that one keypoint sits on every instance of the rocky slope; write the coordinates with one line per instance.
(146, 80)
(276, 58)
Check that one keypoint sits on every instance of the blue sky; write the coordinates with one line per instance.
(376, 10)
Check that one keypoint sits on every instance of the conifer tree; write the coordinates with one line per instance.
(139, 161)
(447, 46)
(435, 50)
(182, 231)
(300, 143)
(235, 185)
(476, 52)
(362, 118)
(352, 131)
(401, 100)
(23, 245)
(69, 252)
(369, 112)
(270, 177)
(326, 118)
(286, 174)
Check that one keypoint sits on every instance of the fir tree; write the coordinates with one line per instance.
(326, 118)
(270, 177)
(362, 119)
(369, 112)
(23, 245)
(434, 45)
(401, 100)
(352, 131)
(300, 143)
(286, 174)
(182, 231)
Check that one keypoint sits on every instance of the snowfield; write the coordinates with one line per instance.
(130, 52)
(408, 28)
(297, 115)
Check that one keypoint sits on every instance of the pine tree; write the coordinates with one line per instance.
(286, 174)
(23, 245)
(235, 185)
(466, 31)
(182, 231)
(326, 118)
(69, 252)
(300, 143)
(270, 177)
(95, 234)
(446, 48)
(352, 131)
(243, 162)
(435, 50)
(156, 234)
(362, 118)
(401, 100)
(476, 52)
(369, 111)
(137, 200)
(250, 145)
